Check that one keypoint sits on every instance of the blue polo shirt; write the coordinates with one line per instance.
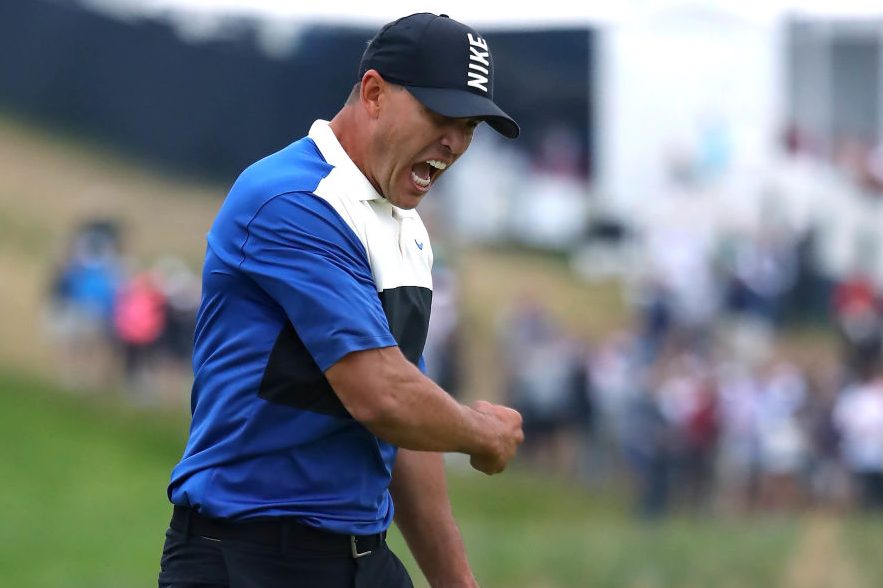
(305, 263)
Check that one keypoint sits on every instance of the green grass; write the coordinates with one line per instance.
(82, 494)
(862, 539)
(524, 531)
(83, 504)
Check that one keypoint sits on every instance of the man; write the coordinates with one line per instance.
(310, 415)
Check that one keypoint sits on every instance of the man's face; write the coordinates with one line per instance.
(413, 146)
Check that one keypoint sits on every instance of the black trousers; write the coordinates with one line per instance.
(193, 558)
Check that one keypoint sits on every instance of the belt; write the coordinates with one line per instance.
(284, 532)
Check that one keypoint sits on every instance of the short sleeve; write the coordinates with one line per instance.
(303, 254)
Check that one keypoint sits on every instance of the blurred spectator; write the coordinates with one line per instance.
(738, 466)
(679, 254)
(859, 323)
(615, 372)
(82, 297)
(858, 416)
(140, 318)
(581, 414)
(763, 273)
(647, 446)
(442, 349)
(654, 308)
(547, 381)
(829, 484)
(701, 440)
(782, 443)
(181, 290)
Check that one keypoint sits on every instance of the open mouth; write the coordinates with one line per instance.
(424, 172)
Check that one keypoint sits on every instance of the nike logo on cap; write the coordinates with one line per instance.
(478, 61)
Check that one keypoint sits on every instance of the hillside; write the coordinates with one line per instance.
(52, 183)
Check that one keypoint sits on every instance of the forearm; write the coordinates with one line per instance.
(423, 515)
(395, 401)
(419, 415)
(411, 411)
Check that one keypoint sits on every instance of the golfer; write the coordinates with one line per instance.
(313, 425)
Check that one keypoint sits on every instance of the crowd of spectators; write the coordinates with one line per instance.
(116, 324)
(698, 403)
(705, 400)
(695, 424)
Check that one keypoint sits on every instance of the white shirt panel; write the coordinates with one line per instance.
(396, 240)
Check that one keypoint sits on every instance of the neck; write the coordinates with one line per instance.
(352, 135)
(344, 127)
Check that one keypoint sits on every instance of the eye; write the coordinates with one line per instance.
(435, 117)
(470, 125)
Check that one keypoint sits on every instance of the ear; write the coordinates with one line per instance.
(372, 88)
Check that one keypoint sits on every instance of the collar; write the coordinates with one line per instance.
(334, 154)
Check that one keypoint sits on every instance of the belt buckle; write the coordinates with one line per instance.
(355, 549)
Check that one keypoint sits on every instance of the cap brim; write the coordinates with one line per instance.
(463, 104)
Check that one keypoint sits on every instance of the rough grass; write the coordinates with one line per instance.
(82, 496)
(83, 502)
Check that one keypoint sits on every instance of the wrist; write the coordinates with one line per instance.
(480, 438)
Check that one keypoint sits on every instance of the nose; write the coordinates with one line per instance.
(457, 136)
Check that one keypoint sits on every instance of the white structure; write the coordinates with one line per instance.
(698, 80)
(684, 82)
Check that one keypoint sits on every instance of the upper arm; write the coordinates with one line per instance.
(366, 380)
(309, 261)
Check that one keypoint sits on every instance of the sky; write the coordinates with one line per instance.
(280, 21)
(547, 13)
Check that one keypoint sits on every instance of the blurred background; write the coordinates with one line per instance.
(675, 274)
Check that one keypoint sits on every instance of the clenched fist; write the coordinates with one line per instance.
(504, 435)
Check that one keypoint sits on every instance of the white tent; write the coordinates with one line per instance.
(666, 69)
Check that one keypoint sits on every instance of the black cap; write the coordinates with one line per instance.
(445, 64)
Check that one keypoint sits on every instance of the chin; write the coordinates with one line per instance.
(406, 202)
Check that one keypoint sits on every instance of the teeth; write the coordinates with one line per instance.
(420, 181)
(437, 164)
